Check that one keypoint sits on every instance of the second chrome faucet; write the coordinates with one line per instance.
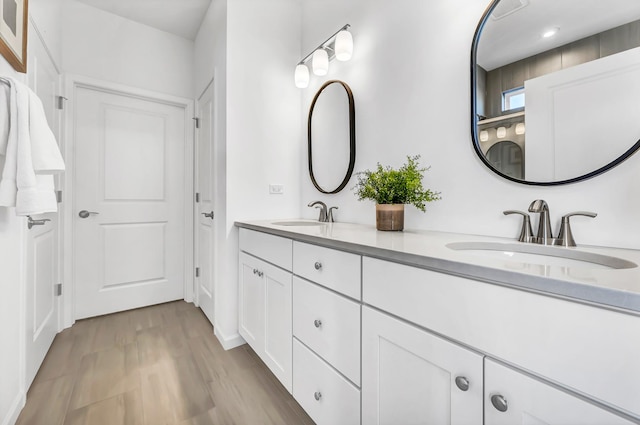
(545, 235)
(326, 216)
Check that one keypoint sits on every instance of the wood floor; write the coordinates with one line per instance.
(158, 365)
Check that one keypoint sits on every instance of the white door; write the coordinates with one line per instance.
(410, 376)
(129, 201)
(42, 249)
(205, 228)
(512, 398)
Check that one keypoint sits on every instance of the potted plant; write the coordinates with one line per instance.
(392, 189)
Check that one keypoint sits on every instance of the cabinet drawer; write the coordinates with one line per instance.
(273, 249)
(579, 346)
(322, 392)
(329, 324)
(334, 269)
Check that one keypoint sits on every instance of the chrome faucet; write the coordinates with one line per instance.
(545, 235)
(323, 210)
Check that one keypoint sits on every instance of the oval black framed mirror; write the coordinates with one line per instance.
(331, 133)
(561, 80)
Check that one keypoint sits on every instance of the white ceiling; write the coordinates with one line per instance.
(518, 35)
(180, 17)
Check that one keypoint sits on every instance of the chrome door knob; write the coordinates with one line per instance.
(499, 402)
(208, 215)
(85, 213)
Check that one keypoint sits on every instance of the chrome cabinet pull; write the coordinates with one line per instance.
(317, 395)
(317, 323)
(318, 265)
(31, 222)
(85, 213)
(499, 402)
(258, 272)
(462, 383)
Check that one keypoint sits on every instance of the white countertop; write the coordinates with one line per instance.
(605, 287)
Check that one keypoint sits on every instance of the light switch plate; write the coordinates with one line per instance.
(276, 189)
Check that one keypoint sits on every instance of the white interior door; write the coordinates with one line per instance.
(42, 248)
(205, 208)
(129, 201)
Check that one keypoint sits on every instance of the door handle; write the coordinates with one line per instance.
(31, 222)
(85, 213)
(209, 215)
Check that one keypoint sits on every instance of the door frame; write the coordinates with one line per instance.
(73, 82)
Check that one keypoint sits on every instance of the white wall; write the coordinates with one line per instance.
(47, 14)
(105, 46)
(410, 78)
(262, 142)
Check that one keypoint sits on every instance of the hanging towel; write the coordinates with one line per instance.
(5, 90)
(31, 149)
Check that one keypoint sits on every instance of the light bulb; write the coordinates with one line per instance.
(484, 135)
(302, 76)
(320, 62)
(520, 128)
(501, 132)
(344, 45)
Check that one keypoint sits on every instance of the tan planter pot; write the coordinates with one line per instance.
(390, 217)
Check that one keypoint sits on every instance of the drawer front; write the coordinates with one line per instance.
(579, 346)
(273, 249)
(334, 269)
(329, 324)
(323, 393)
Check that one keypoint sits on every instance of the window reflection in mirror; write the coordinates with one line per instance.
(578, 67)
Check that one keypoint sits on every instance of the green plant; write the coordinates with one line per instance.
(385, 185)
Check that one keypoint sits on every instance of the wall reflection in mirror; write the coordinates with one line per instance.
(556, 88)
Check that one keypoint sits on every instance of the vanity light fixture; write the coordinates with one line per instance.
(484, 136)
(501, 132)
(339, 46)
(520, 128)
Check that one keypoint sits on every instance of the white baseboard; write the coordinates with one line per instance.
(229, 342)
(15, 409)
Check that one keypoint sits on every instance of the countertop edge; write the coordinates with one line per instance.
(600, 297)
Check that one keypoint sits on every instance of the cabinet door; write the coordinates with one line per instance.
(277, 321)
(412, 377)
(251, 314)
(513, 398)
(265, 314)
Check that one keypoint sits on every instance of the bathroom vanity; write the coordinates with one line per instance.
(376, 327)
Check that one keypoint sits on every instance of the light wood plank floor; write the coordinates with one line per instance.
(159, 365)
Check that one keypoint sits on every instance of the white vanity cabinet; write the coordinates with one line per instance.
(265, 300)
(513, 398)
(410, 376)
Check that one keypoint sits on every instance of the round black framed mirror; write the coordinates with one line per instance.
(560, 80)
(331, 133)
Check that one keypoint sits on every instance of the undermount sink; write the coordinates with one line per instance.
(298, 223)
(541, 254)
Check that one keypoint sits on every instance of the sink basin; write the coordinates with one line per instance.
(299, 223)
(543, 255)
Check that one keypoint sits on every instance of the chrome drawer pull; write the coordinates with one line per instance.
(317, 395)
(318, 265)
(317, 323)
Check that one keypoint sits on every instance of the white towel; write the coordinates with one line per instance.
(31, 149)
(5, 90)
(44, 148)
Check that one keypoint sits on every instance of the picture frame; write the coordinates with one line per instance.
(14, 24)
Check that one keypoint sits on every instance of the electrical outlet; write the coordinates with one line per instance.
(276, 189)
